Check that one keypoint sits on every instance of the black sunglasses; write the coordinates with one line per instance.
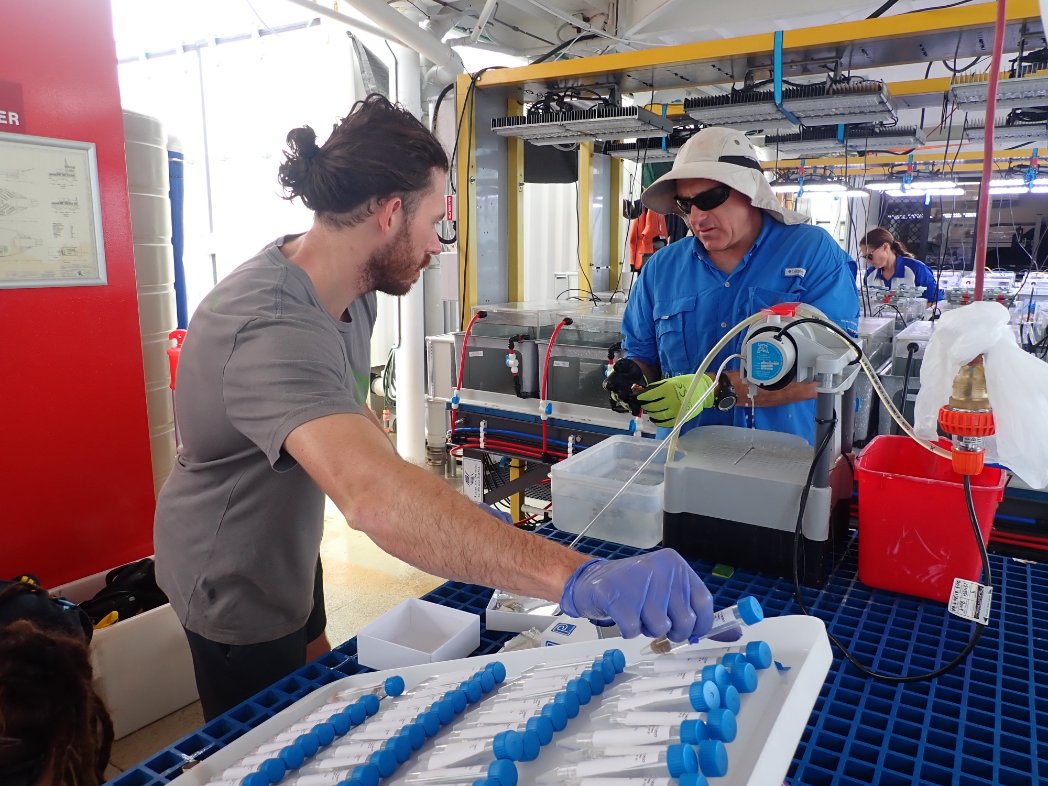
(709, 199)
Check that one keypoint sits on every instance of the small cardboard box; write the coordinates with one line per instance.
(142, 665)
(416, 631)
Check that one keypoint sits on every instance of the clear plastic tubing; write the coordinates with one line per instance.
(746, 612)
(699, 696)
(674, 761)
(758, 653)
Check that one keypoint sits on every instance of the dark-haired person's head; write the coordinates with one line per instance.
(378, 162)
(879, 248)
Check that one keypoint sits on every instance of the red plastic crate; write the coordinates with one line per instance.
(914, 533)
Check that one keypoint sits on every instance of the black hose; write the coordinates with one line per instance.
(911, 349)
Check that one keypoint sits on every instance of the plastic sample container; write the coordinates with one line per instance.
(417, 631)
(915, 536)
(584, 483)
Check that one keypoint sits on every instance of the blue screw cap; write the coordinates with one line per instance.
(401, 747)
(356, 713)
(393, 686)
(273, 769)
(605, 668)
(595, 679)
(445, 711)
(485, 782)
(704, 696)
(486, 680)
(556, 714)
(308, 743)
(730, 699)
(325, 733)
(750, 610)
(342, 723)
(505, 772)
(370, 702)
(569, 700)
(681, 759)
(532, 746)
(415, 735)
(256, 779)
(498, 671)
(430, 722)
(617, 658)
(759, 654)
(744, 677)
(458, 699)
(367, 774)
(385, 761)
(693, 779)
(732, 658)
(722, 725)
(472, 690)
(508, 745)
(293, 756)
(713, 759)
(543, 728)
(581, 689)
(717, 674)
(693, 731)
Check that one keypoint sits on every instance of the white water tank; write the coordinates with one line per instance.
(145, 148)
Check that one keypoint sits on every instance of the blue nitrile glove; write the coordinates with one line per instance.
(501, 515)
(657, 594)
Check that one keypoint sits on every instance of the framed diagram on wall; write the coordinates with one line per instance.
(50, 216)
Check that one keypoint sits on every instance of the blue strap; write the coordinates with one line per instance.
(777, 76)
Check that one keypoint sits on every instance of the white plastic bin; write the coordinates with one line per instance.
(584, 483)
(417, 631)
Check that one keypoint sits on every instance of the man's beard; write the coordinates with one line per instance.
(392, 269)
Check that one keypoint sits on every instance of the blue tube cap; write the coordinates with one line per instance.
(595, 679)
(556, 714)
(498, 671)
(445, 710)
(342, 723)
(385, 762)
(458, 699)
(486, 680)
(366, 774)
(693, 779)
(256, 779)
(713, 759)
(722, 725)
(532, 746)
(370, 704)
(356, 713)
(605, 668)
(693, 731)
(308, 742)
(508, 745)
(325, 733)
(704, 696)
(681, 759)
(473, 689)
(293, 756)
(618, 659)
(430, 722)
(274, 769)
(569, 700)
(401, 747)
(759, 654)
(718, 675)
(732, 658)
(543, 728)
(730, 699)
(393, 686)
(581, 689)
(505, 772)
(415, 734)
(750, 610)
(744, 677)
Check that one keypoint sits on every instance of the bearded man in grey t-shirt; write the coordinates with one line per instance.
(272, 382)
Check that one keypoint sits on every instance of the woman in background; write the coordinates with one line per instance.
(889, 262)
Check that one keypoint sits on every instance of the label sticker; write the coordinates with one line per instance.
(797, 272)
(564, 628)
(473, 479)
(477, 353)
(562, 363)
(971, 600)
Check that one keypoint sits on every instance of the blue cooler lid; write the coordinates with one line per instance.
(543, 728)
(750, 610)
(618, 659)
(730, 699)
(704, 696)
(722, 725)
(693, 731)
(394, 685)
(385, 761)
(744, 677)
(713, 758)
(273, 769)
(401, 747)
(430, 722)
(505, 772)
(498, 671)
(293, 756)
(325, 733)
(569, 700)
(759, 654)
(308, 743)
(681, 759)
(508, 745)
(556, 714)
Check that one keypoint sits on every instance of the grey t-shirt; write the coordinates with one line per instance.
(238, 522)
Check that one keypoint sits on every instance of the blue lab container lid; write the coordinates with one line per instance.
(681, 759)
(532, 746)
(750, 610)
(458, 698)
(356, 713)
(366, 775)
(595, 680)
(274, 769)
(717, 674)
(256, 779)
(401, 747)
(385, 761)
(543, 728)
(325, 733)
(472, 689)
(704, 696)
(759, 654)
(693, 779)
(617, 658)
(393, 686)
(730, 699)
(744, 677)
(486, 680)
(556, 714)
(581, 689)
(430, 722)
(293, 756)
(569, 700)
(342, 723)
(498, 671)
(508, 745)
(505, 772)
(308, 743)
(445, 710)
(713, 759)
(693, 731)
(370, 704)
(605, 668)
(721, 725)
(415, 734)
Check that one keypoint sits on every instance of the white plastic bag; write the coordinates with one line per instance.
(1016, 382)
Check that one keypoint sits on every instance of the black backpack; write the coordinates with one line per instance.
(23, 598)
(129, 590)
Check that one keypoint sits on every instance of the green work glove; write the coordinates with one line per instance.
(664, 400)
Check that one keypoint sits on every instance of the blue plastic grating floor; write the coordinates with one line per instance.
(983, 724)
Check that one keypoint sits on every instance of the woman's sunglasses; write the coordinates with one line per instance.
(707, 200)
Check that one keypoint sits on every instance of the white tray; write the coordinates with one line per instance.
(771, 720)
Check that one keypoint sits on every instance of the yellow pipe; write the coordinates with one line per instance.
(585, 252)
(515, 221)
(466, 176)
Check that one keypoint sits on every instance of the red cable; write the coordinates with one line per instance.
(545, 378)
(982, 215)
(462, 362)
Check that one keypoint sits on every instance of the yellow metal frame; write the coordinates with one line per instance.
(515, 207)
(582, 210)
(466, 176)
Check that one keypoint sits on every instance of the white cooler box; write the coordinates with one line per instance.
(143, 669)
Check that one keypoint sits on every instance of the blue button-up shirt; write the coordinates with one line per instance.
(908, 271)
(681, 304)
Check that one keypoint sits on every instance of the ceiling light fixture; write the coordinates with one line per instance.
(601, 122)
(1030, 90)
